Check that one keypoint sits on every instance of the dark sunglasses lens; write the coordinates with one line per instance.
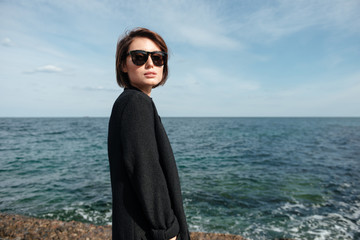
(158, 59)
(139, 58)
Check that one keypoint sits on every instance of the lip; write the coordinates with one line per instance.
(150, 74)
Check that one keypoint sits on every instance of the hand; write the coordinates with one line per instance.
(174, 238)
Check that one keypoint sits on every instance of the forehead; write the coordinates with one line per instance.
(141, 43)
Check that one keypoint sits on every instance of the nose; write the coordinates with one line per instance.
(149, 63)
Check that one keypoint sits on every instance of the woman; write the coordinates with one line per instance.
(147, 201)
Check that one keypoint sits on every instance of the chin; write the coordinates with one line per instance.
(155, 83)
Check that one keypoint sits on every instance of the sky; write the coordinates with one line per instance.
(228, 58)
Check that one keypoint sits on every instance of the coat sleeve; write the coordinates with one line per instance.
(141, 160)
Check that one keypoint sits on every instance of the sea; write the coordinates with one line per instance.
(262, 178)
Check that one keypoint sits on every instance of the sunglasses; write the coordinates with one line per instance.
(140, 57)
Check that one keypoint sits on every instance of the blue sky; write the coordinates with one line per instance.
(227, 58)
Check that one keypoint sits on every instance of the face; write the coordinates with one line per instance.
(147, 76)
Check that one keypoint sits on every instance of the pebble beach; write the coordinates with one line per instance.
(22, 227)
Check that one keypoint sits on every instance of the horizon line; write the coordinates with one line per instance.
(323, 116)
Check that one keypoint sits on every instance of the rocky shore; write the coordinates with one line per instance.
(21, 227)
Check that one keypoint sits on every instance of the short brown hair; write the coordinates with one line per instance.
(122, 50)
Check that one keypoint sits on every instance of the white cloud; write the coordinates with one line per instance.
(198, 36)
(49, 69)
(98, 88)
(282, 18)
(7, 42)
(46, 69)
(195, 23)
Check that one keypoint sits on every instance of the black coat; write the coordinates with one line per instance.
(146, 194)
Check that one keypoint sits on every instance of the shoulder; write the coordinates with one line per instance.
(131, 101)
(133, 96)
